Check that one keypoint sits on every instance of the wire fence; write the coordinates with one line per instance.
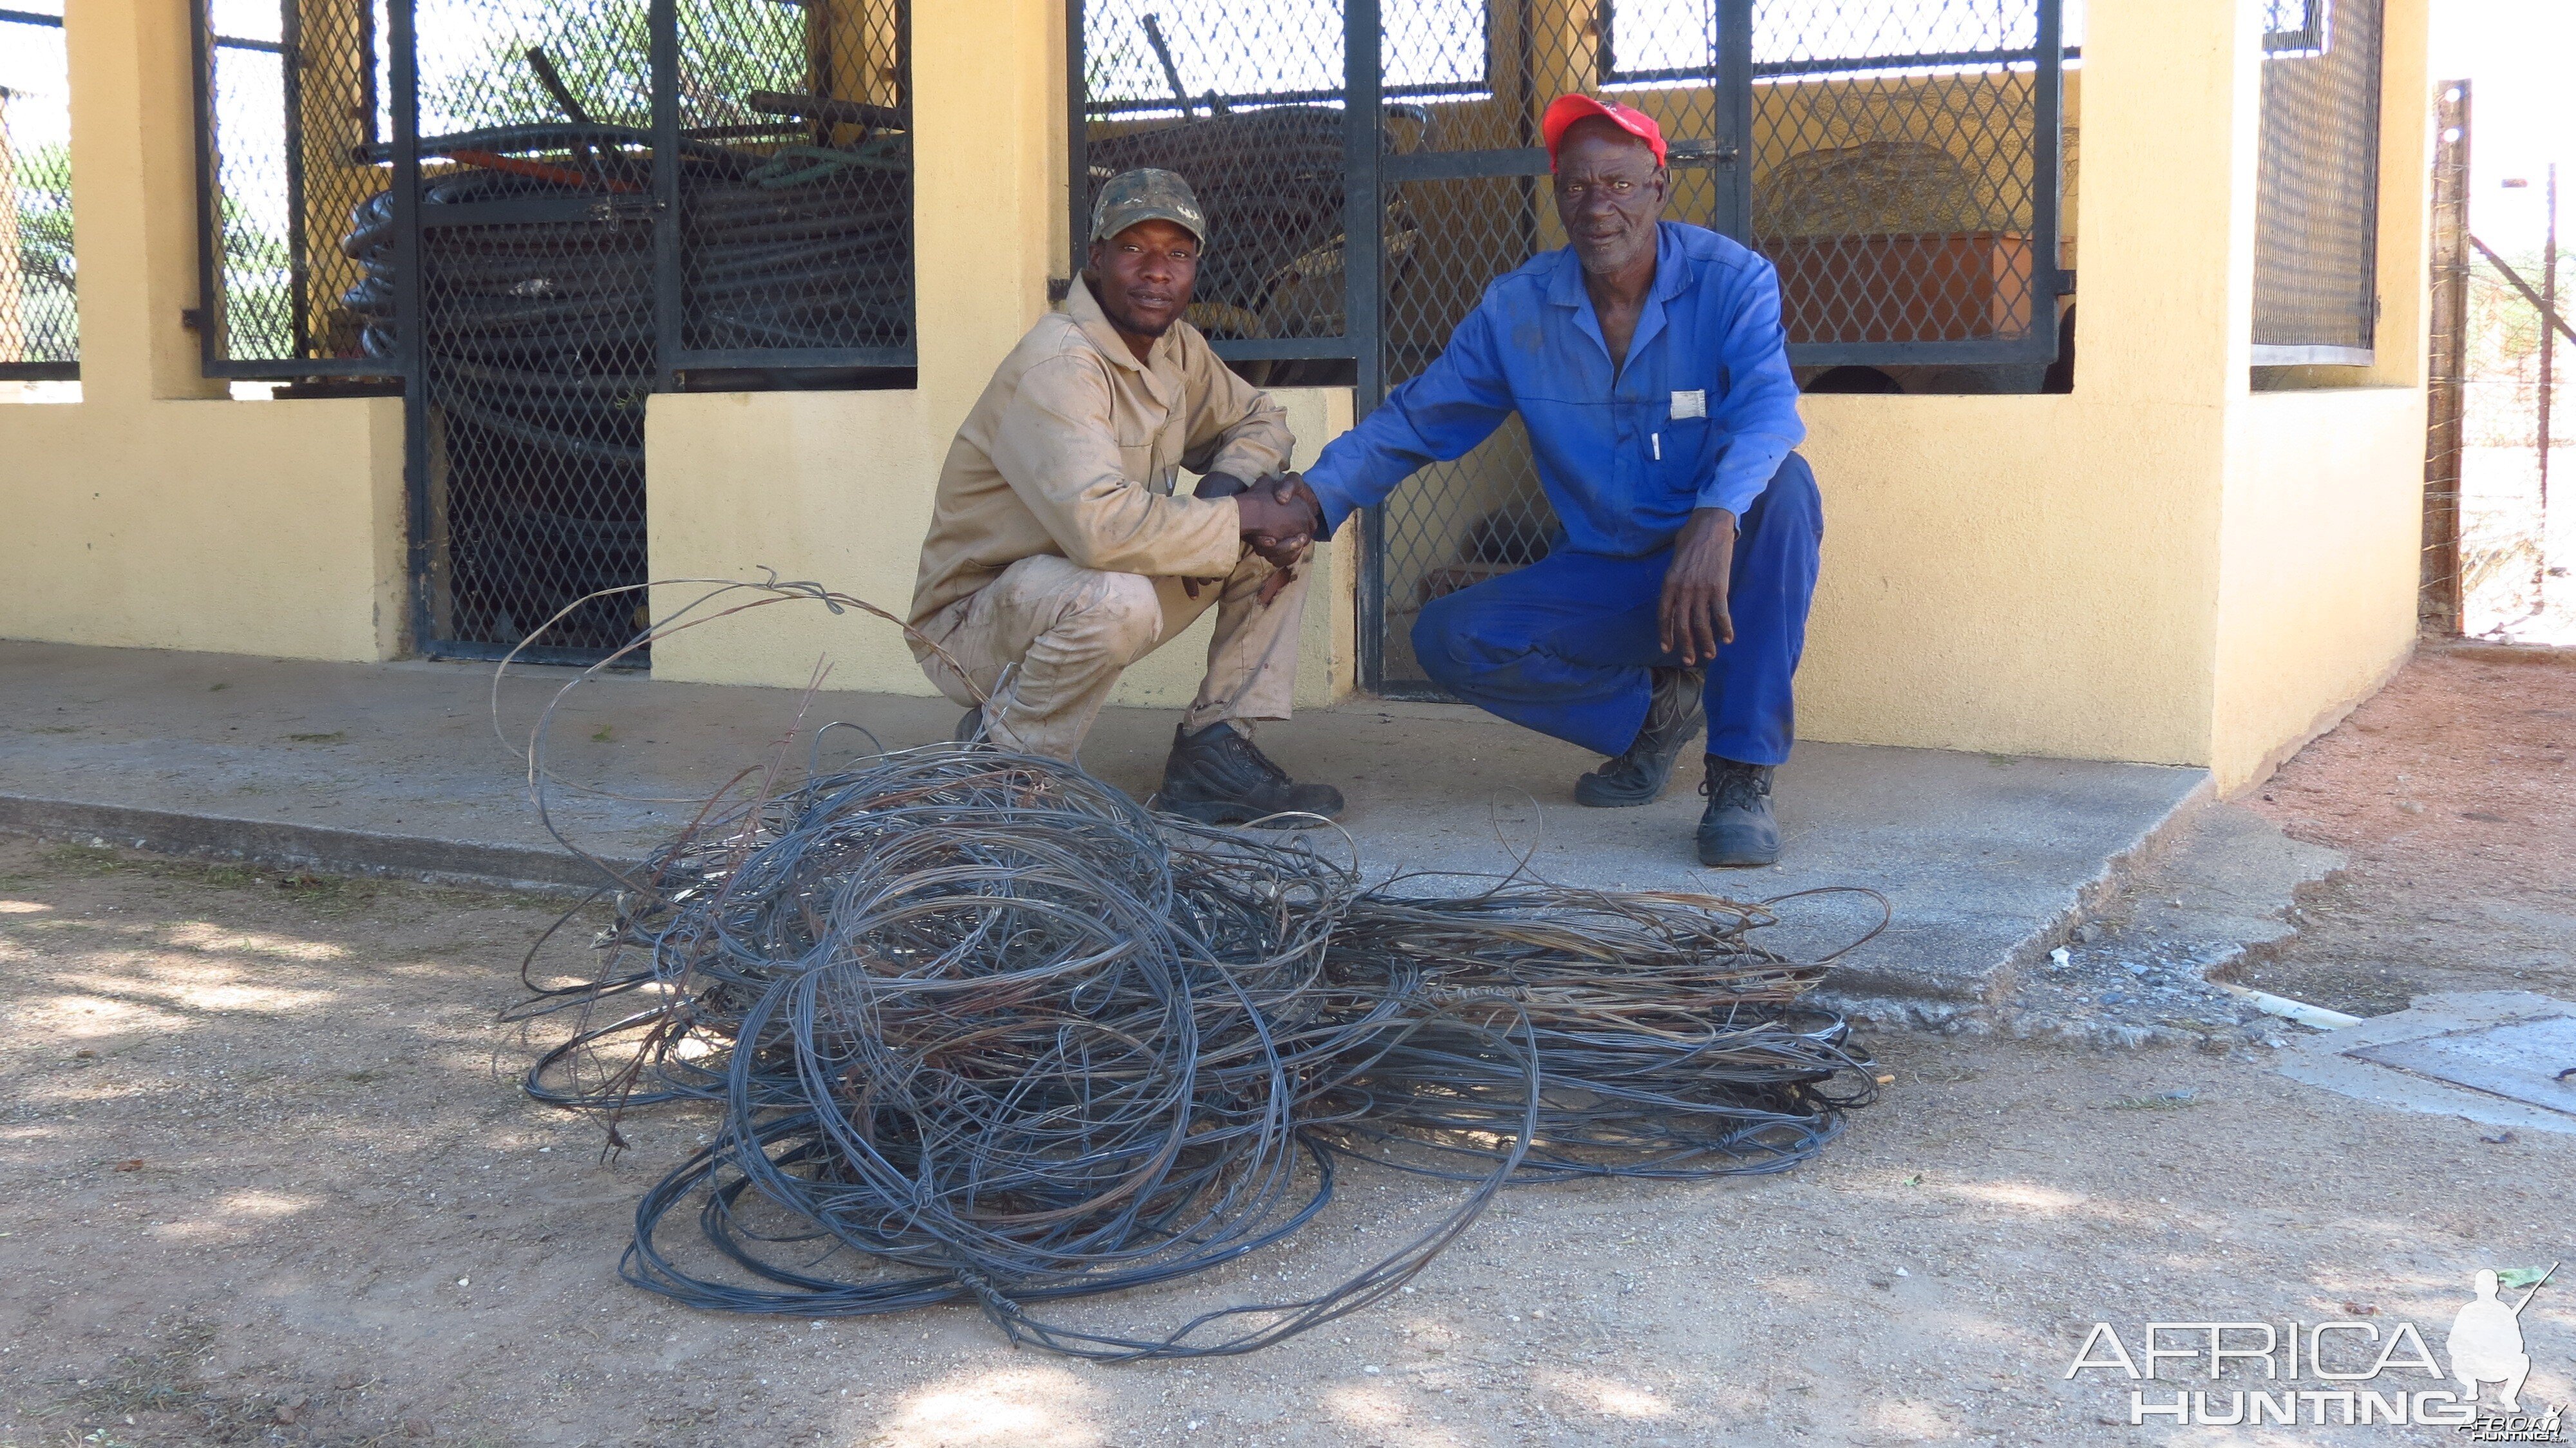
(39, 323)
(2316, 213)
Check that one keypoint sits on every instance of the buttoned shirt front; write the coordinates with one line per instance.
(1699, 415)
(1074, 449)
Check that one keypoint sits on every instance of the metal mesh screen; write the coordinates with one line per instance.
(39, 326)
(1245, 101)
(1457, 524)
(616, 197)
(537, 313)
(292, 101)
(1903, 172)
(796, 238)
(539, 357)
(2316, 216)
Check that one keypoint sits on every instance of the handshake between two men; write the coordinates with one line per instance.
(1647, 362)
(1279, 519)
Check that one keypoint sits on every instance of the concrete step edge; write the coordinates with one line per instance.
(322, 848)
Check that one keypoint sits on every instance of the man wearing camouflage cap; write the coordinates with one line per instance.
(1059, 552)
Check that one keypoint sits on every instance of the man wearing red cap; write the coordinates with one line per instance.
(1647, 360)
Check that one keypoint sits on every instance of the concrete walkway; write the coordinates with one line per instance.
(396, 768)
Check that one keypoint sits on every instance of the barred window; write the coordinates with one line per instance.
(39, 326)
(2316, 214)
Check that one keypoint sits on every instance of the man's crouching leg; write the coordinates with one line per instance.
(1216, 774)
(1046, 640)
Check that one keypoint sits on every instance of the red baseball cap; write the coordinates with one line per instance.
(1566, 110)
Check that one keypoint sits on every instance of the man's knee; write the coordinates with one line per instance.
(1115, 615)
(1443, 638)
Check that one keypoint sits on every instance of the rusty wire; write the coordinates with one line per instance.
(980, 1028)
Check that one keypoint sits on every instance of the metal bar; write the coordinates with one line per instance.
(1363, 228)
(682, 359)
(210, 332)
(1281, 349)
(2048, 105)
(2548, 365)
(2548, 313)
(1731, 213)
(299, 261)
(2370, 194)
(39, 371)
(473, 651)
(2281, 354)
(30, 17)
(1847, 65)
(236, 42)
(1254, 100)
(2439, 605)
(1077, 144)
(404, 78)
(522, 209)
(663, 23)
(1464, 165)
(2039, 344)
(1171, 72)
(288, 369)
(825, 108)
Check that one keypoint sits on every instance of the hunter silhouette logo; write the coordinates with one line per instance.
(2486, 1340)
(2363, 1372)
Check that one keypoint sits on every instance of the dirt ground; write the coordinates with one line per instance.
(269, 1179)
(2454, 793)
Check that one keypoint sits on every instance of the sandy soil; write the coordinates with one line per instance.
(268, 1179)
(2454, 793)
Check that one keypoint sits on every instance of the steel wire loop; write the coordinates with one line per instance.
(978, 1026)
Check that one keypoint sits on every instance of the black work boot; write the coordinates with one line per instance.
(1218, 777)
(1673, 719)
(971, 727)
(1737, 829)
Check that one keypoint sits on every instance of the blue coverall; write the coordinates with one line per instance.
(1703, 414)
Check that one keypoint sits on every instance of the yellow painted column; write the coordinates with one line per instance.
(987, 88)
(2172, 105)
(2399, 343)
(134, 194)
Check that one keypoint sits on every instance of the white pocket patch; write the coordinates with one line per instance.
(1693, 403)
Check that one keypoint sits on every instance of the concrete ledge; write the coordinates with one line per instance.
(318, 848)
(394, 769)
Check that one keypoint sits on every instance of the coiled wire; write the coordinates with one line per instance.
(980, 1027)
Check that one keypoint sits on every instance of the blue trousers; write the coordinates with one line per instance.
(1563, 646)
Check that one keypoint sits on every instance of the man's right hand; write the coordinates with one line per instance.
(1278, 519)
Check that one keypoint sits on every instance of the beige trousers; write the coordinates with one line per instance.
(1071, 631)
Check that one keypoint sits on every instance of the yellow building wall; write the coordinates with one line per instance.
(152, 512)
(2160, 566)
(835, 488)
(2018, 575)
(2322, 506)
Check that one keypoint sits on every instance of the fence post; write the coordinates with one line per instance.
(1364, 219)
(2439, 606)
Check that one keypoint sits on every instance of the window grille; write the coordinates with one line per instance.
(2316, 214)
(291, 103)
(39, 325)
(532, 215)
(1906, 177)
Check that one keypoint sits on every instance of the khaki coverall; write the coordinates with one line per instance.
(1058, 544)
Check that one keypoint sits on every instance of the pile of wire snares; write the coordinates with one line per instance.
(979, 1026)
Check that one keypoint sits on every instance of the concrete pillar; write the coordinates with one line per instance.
(988, 95)
(2172, 103)
(134, 191)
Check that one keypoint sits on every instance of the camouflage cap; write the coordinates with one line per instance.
(1146, 194)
